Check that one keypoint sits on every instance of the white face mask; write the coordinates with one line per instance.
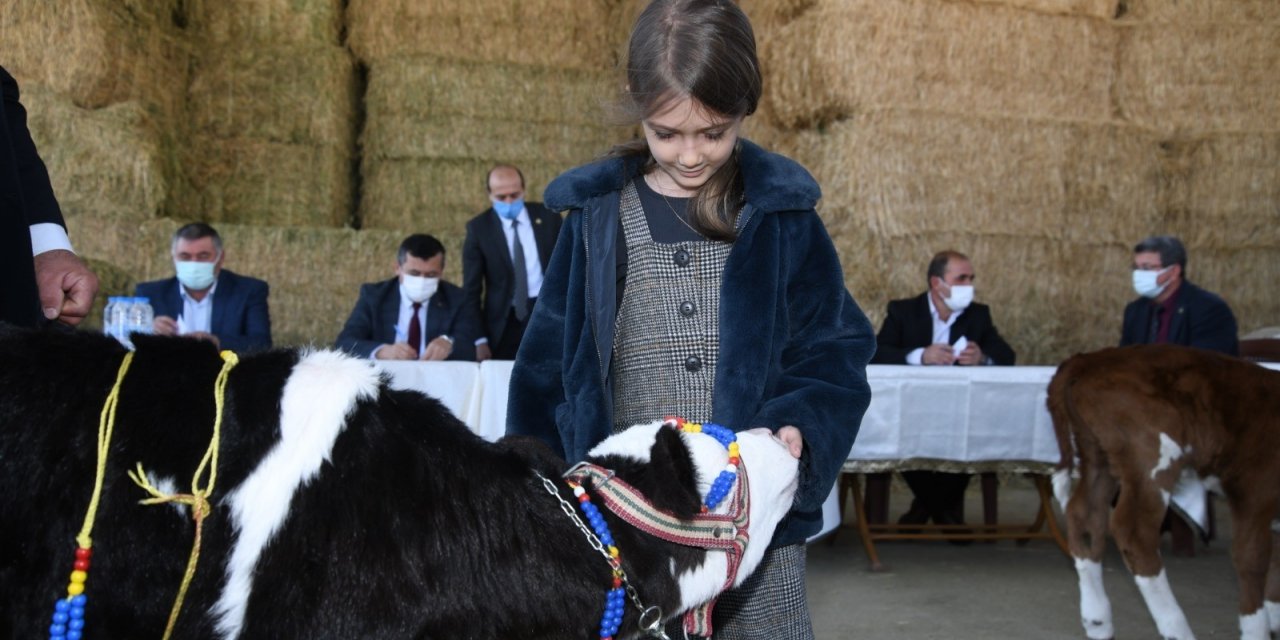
(1144, 282)
(196, 276)
(961, 296)
(418, 288)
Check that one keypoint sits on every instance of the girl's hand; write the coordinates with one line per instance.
(791, 437)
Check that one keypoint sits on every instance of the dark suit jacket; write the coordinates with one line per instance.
(1202, 320)
(373, 321)
(26, 198)
(240, 317)
(488, 277)
(909, 326)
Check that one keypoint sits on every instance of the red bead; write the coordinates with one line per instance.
(81, 565)
(83, 553)
(617, 583)
(584, 498)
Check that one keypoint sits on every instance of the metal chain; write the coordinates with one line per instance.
(654, 629)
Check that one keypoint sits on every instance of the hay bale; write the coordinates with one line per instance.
(1242, 276)
(415, 88)
(434, 196)
(1222, 192)
(106, 161)
(1105, 9)
(843, 58)
(571, 34)
(912, 172)
(286, 94)
(269, 22)
(248, 181)
(1202, 11)
(460, 138)
(1190, 79)
(107, 52)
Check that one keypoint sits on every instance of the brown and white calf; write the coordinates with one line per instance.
(1131, 419)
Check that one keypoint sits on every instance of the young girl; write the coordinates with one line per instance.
(693, 277)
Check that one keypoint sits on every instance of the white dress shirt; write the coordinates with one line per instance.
(402, 324)
(197, 315)
(47, 236)
(532, 266)
(941, 332)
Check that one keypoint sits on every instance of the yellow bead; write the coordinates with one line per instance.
(733, 448)
(78, 576)
(75, 588)
(613, 551)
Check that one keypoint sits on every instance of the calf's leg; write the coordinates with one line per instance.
(1273, 581)
(1135, 523)
(1251, 555)
(1087, 518)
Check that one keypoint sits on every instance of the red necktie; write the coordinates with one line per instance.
(415, 328)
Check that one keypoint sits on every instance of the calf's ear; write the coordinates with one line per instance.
(675, 487)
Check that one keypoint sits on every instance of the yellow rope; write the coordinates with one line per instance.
(198, 499)
(106, 425)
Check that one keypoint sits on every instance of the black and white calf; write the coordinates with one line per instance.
(342, 509)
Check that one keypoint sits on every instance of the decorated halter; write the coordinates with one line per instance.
(725, 532)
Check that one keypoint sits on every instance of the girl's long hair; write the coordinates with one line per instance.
(705, 50)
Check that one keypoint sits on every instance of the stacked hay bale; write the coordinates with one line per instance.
(1002, 129)
(1205, 78)
(454, 87)
(272, 108)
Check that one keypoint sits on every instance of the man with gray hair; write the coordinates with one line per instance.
(205, 301)
(1170, 309)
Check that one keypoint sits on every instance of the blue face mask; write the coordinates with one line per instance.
(509, 210)
(196, 276)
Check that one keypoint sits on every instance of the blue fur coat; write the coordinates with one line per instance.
(794, 345)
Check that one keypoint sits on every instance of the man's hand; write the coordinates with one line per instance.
(938, 354)
(164, 326)
(397, 351)
(66, 286)
(972, 355)
(483, 352)
(437, 349)
(204, 335)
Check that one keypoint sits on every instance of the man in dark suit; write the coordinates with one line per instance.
(415, 315)
(1171, 310)
(942, 326)
(505, 253)
(204, 300)
(41, 279)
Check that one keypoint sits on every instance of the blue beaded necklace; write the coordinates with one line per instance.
(614, 602)
(724, 482)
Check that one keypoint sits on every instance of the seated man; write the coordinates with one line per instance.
(1169, 309)
(942, 326)
(206, 301)
(415, 315)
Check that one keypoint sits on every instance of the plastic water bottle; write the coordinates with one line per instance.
(115, 319)
(140, 316)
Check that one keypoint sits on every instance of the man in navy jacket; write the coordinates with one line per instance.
(382, 324)
(1169, 308)
(206, 301)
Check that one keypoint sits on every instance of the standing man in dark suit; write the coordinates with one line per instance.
(415, 315)
(942, 326)
(204, 300)
(505, 253)
(41, 279)
(1171, 310)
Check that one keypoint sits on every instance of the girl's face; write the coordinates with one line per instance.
(690, 143)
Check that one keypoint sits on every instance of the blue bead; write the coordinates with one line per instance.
(57, 629)
(73, 635)
(80, 600)
(76, 625)
(61, 605)
(60, 617)
(77, 613)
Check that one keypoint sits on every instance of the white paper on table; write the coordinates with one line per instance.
(182, 325)
(960, 345)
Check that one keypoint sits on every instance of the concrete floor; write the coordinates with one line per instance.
(1000, 590)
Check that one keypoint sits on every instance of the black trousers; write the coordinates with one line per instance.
(939, 494)
(512, 334)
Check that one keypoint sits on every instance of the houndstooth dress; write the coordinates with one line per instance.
(666, 344)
